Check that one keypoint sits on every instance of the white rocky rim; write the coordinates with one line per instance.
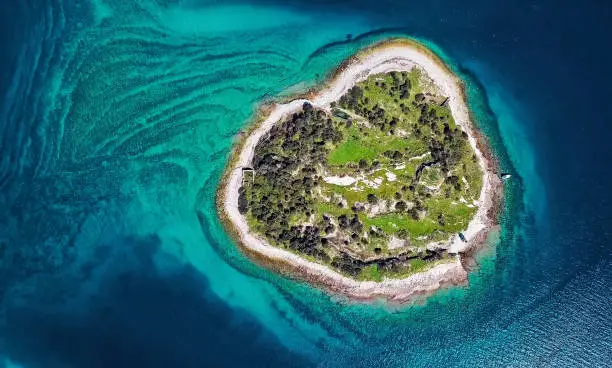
(381, 60)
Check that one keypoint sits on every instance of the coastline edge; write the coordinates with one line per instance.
(396, 291)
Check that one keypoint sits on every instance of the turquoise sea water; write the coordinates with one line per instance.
(119, 117)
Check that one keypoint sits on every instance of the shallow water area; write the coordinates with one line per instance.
(117, 121)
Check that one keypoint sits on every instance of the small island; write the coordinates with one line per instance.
(376, 186)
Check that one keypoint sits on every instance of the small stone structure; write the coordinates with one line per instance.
(246, 171)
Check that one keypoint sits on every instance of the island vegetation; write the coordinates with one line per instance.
(373, 186)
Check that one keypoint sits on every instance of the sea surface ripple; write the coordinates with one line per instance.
(118, 118)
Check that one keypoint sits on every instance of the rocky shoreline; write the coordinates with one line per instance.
(395, 55)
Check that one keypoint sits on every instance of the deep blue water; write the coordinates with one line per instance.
(117, 119)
